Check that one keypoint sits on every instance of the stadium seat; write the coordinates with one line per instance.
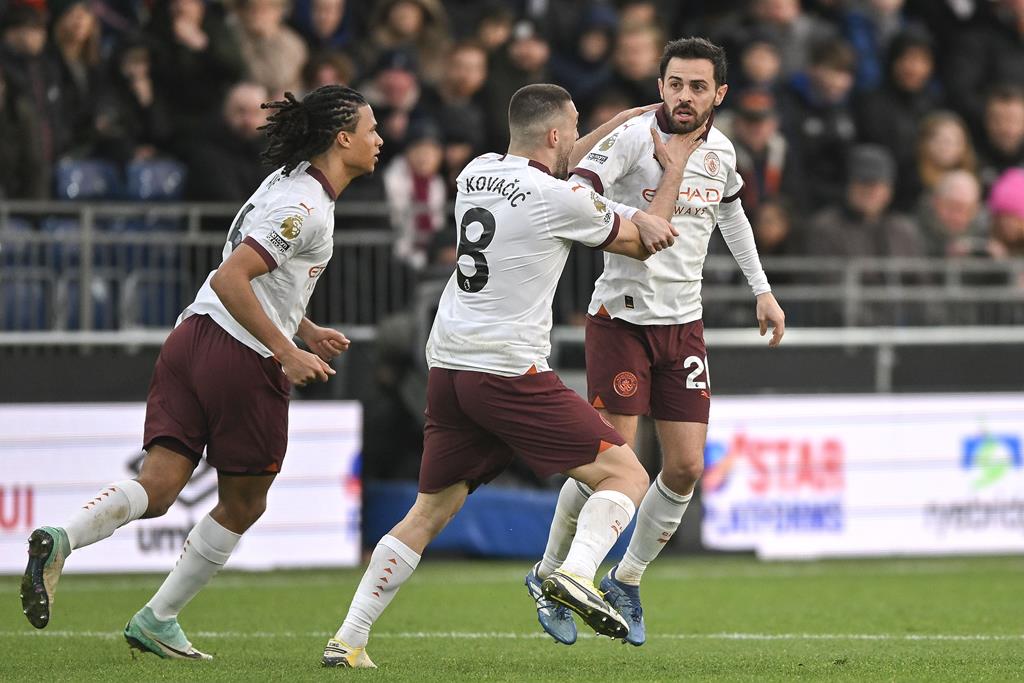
(15, 250)
(155, 180)
(26, 296)
(68, 302)
(65, 250)
(152, 298)
(87, 179)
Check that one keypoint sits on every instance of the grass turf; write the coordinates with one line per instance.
(709, 618)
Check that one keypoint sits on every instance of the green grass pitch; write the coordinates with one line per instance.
(708, 618)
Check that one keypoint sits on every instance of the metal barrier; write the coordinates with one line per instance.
(73, 266)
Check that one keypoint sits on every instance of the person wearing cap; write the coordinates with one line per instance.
(395, 92)
(764, 158)
(416, 193)
(864, 225)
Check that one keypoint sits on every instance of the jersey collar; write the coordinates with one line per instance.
(530, 162)
(319, 176)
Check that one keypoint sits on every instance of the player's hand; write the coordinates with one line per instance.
(627, 114)
(325, 342)
(769, 313)
(676, 152)
(302, 367)
(656, 233)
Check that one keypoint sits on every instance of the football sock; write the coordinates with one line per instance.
(113, 507)
(571, 500)
(391, 563)
(657, 519)
(602, 519)
(207, 548)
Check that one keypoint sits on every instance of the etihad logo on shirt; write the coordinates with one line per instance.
(291, 227)
(707, 195)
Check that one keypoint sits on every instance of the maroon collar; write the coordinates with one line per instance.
(536, 164)
(319, 176)
(662, 119)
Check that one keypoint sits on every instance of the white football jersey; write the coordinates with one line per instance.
(289, 220)
(516, 226)
(664, 289)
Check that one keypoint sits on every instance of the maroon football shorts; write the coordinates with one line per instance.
(211, 391)
(477, 422)
(656, 370)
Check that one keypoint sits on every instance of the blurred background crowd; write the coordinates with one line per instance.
(863, 127)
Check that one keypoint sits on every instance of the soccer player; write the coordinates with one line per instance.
(490, 393)
(645, 350)
(224, 375)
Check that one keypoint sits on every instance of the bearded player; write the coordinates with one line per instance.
(645, 349)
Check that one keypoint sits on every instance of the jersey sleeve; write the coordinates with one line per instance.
(610, 159)
(733, 185)
(582, 215)
(283, 232)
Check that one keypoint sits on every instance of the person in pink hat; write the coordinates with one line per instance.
(1006, 203)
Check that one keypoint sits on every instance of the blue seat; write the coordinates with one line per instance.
(15, 251)
(66, 249)
(103, 289)
(87, 179)
(155, 180)
(152, 298)
(26, 296)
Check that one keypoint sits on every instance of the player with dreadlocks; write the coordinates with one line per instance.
(223, 377)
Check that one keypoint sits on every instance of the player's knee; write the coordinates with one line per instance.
(240, 514)
(682, 475)
(160, 498)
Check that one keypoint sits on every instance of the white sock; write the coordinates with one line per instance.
(571, 500)
(602, 519)
(391, 563)
(207, 548)
(659, 516)
(113, 507)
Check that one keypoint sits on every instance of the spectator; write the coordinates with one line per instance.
(760, 67)
(328, 68)
(494, 29)
(637, 55)
(764, 159)
(1006, 204)
(459, 95)
(76, 49)
(871, 27)
(133, 118)
(795, 32)
(195, 60)
(951, 217)
(23, 174)
(864, 225)
(462, 142)
(584, 68)
(818, 122)
(273, 53)
(992, 52)
(773, 229)
(609, 103)
(394, 92)
(943, 145)
(417, 26)
(30, 74)
(523, 61)
(416, 194)
(224, 164)
(1002, 143)
(325, 24)
(891, 116)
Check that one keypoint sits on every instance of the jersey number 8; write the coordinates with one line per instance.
(473, 249)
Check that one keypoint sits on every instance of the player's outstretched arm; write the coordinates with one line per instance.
(628, 241)
(323, 341)
(587, 142)
(233, 285)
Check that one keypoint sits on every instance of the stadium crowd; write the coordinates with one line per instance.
(863, 127)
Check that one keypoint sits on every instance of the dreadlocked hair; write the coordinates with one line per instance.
(300, 130)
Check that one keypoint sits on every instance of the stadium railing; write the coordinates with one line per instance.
(88, 271)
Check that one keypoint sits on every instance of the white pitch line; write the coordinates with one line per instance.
(500, 635)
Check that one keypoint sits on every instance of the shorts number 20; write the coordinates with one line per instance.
(485, 218)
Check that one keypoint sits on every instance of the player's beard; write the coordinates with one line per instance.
(561, 169)
(698, 120)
